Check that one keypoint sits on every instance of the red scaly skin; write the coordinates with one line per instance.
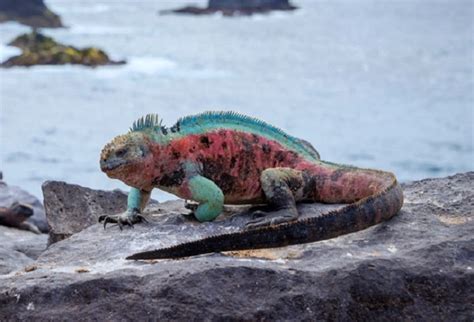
(235, 160)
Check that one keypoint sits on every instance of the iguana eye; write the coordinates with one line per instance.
(121, 152)
(143, 151)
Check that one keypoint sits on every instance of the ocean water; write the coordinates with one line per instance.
(384, 84)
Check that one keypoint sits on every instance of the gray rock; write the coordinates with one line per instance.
(70, 208)
(11, 194)
(417, 266)
(19, 248)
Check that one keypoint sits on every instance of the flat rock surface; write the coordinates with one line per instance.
(417, 266)
(19, 248)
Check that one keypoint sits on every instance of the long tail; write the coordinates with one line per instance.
(356, 216)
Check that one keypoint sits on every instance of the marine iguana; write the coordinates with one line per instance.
(15, 216)
(218, 158)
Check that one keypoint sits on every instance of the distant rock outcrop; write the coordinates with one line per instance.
(419, 266)
(235, 7)
(32, 13)
(38, 49)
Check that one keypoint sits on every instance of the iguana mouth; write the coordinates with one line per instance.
(109, 165)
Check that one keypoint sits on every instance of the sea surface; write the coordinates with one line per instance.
(374, 83)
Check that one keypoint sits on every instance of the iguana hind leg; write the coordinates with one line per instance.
(209, 196)
(282, 188)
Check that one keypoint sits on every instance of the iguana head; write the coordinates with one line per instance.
(128, 158)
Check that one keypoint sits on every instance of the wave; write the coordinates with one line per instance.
(100, 30)
(140, 65)
(95, 8)
(8, 51)
(150, 65)
(160, 66)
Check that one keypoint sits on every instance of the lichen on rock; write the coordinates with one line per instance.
(38, 49)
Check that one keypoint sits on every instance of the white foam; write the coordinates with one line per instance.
(50, 69)
(93, 8)
(139, 65)
(150, 65)
(8, 51)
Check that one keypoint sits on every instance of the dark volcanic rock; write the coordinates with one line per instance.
(417, 266)
(235, 7)
(11, 194)
(32, 13)
(38, 49)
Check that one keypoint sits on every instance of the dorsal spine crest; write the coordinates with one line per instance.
(149, 121)
(214, 120)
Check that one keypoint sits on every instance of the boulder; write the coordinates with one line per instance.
(417, 266)
(13, 194)
(38, 49)
(71, 208)
(235, 7)
(32, 13)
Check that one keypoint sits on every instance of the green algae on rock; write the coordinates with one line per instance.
(38, 49)
(32, 13)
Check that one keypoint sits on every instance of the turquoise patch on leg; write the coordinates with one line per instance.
(207, 211)
(134, 199)
(210, 197)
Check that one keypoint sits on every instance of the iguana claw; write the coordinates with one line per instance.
(127, 218)
(190, 205)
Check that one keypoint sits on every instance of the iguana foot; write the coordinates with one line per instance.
(265, 219)
(127, 218)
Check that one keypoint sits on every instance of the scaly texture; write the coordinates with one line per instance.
(224, 157)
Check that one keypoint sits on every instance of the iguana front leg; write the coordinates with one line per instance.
(136, 202)
(282, 188)
(209, 196)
